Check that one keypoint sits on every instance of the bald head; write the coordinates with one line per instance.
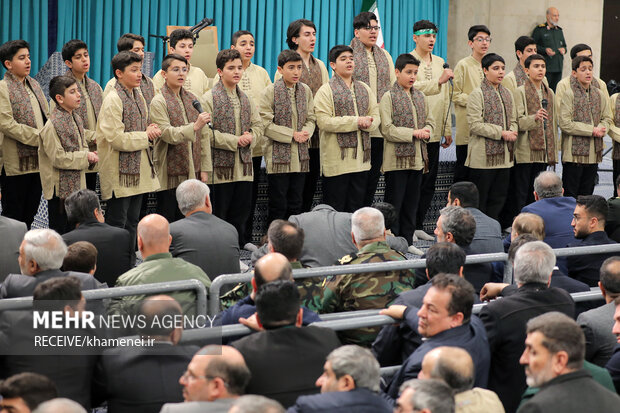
(553, 16)
(155, 310)
(153, 235)
(272, 267)
(547, 185)
(226, 365)
(528, 223)
(59, 405)
(453, 365)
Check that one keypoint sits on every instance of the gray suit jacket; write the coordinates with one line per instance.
(216, 406)
(13, 232)
(18, 285)
(488, 237)
(600, 341)
(208, 242)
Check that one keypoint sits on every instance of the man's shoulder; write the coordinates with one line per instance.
(219, 405)
(13, 224)
(596, 315)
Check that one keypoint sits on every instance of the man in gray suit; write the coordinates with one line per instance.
(216, 376)
(201, 238)
(12, 235)
(598, 323)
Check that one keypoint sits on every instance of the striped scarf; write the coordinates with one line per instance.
(283, 116)
(494, 115)
(542, 140)
(586, 109)
(135, 117)
(361, 71)
(402, 116)
(70, 130)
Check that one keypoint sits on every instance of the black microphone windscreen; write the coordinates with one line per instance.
(544, 103)
(446, 65)
(196, 104)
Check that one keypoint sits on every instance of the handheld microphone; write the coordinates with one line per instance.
(544, 104)
(196, 104)
(447, 66)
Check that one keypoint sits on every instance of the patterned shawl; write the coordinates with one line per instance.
(542, 141)
(311, 76)
(135, 117)
(520, 75)
(586, 109)
(23, 113)
(71, 140)
(224, 121)
(402, 116)
(283, 116)
(361, 72)
(147, 89)
(616, 152)
(494, 115)
(178, 155)
(344, 106)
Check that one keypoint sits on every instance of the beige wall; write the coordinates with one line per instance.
(581, 21)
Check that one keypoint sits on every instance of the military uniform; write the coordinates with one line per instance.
(373, 290)
(552, 38)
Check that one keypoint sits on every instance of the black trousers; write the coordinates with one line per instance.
(520, 190)
(345, 193)
(616, 173)
(249, 224)
(427, 189)
(376, 160)
(91, 181)
(57, 217)
(578, 179)
(312, 177)
(231, 202)
(492, 185)
(460, 170)
(21, 196)
(124, 213)
(167, 205)
(402, 189)
(285, 193)
(553, 78)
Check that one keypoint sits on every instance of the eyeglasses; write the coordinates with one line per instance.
(178, 69)
(188, 376)
(483, 39)
(371, 28)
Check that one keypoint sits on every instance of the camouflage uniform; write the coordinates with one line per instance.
(310, 289)
(374, 290)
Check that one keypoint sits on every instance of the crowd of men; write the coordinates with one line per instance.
(180, 131)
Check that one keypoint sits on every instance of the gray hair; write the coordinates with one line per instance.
(46, 247)
(460, 223)
(367, 223)
(191, 194)
(59, 405)
(534, 263)
(431, 394)
(548, 185)
(357, 362)
(252, 403)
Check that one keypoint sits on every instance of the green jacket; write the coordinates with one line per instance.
(553, 39)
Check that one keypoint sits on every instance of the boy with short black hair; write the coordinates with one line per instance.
(287, 111)
(467, 76)
(525, 46)
(64, 155)
(124, 145)
(492, 118)
(580, 49)
(584, 117)
(236, 130)
(182, 42)
(23, 113)
(183, 151)
(406, 124)
(347, 113)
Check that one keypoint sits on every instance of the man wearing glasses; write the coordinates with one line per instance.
(551, 44)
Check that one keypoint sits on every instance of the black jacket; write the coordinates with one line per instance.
(586, 268)
(355, 401)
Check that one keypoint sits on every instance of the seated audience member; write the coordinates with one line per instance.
(488, 236)
(455, 367)
(251, 403)
(24, 392)
(553, 361)
(612, 224)
(201, 238)
(121, 370)
(286, 358)
(115, 252)
(505, 319)
(528, 223)
(81, 257)
(589, 228)
(214, 379)
(613, 365)
(60, 405)
(13, 232)
(598, 322)
(445, 319)
(366, 291)
(428, 396)
(286, 238)
(396, 342)
(40, 258)
(389, 215)
(158, 266)
(349, 383)
(269, 268)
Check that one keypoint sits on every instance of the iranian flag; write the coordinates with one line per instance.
(371, 6)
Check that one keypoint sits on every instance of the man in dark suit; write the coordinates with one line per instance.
(13, 232)
(40, 257)
(285, 359)
(115, 252)
(589, 228)
(201, 238)
(505, 319)
(120, 377)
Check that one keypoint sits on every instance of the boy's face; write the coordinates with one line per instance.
(584, 73)
(19, 65)
(368, 35)
(480, 44)
(80, 61)
(426, 42)
(344, 64)
(245, 45)
(529, 50)
(306, 40)
(537, 70)
(291, 72)
(231, 74)
(407, 77)
(131, 76)
(184, 47)
(71, 99)
(138, 47)
(495, 72)
(175, 74)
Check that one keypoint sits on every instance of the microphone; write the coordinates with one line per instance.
(544, 104)
(201, 25)
(196, 104)
(447, 66)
